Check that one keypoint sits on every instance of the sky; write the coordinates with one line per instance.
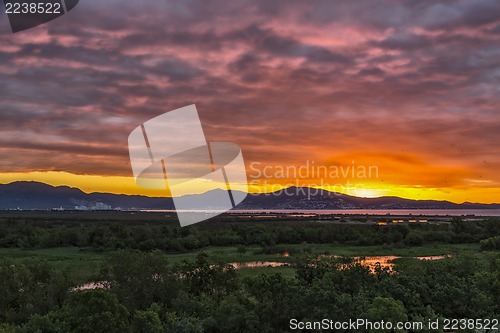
(411, 88)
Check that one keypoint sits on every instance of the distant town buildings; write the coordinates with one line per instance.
(406, 220)
(96, 206)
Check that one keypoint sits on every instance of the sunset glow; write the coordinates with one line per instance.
(411, 90)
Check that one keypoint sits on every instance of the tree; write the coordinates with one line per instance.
(176, 324)
(42, 324)
(388, 310)
(202, 277)
(242, 249)
(489, 244)
(146, 322)
(94, 311)
(233, 314)
(30, 287)
(140, 279)
(414, 239)
(6, 328)
(277, 299)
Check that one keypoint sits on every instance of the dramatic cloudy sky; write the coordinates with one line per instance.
(412, 87)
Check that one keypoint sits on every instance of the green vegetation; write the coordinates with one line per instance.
(492, 243)
(193, 288)
(147, 293)
(82, 265)
(149, 231)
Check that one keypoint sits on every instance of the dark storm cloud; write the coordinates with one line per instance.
(268, 41)
(404, 41)
(431, 15)
(373, 71)
(276, 77)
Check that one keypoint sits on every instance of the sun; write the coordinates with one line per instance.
(366, 192)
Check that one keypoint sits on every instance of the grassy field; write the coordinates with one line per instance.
(83, 265)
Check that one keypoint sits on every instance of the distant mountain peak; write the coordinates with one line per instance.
(36, 195)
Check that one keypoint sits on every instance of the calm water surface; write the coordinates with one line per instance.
(368, 261)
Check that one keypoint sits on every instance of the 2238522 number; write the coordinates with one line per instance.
(33, 8)
(471, 324)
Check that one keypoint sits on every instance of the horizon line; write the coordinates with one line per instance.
(319, 189)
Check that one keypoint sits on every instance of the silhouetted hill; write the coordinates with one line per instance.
(34, 195)
(309, 198)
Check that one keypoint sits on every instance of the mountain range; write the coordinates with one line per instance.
(35, 195)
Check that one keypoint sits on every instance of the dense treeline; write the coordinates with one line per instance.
(147, 294)
(26, 233)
